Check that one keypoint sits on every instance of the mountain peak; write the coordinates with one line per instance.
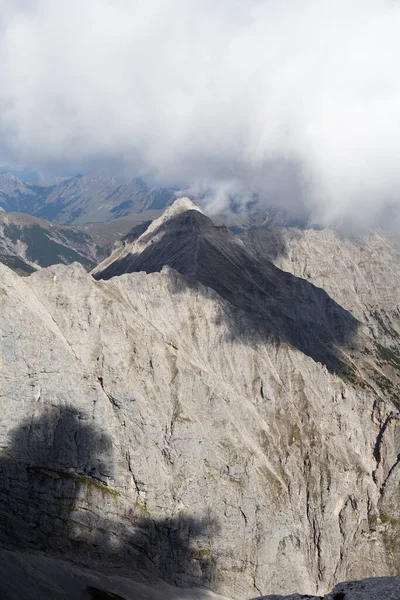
(186, 240)
(8, 179)
(8, 176)
(171, 234)
(180, 205)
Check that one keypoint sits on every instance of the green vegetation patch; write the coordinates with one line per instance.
(383, 326)
(84, 480)
(389, 355)
(387, 387)
(47, 252)
(17, 264)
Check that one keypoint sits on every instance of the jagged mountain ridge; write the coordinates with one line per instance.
(167, 431)
(296, 311)
(82, 198)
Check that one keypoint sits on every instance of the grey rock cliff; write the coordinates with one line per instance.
(158, 424)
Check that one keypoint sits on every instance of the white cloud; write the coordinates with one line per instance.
(297, 101)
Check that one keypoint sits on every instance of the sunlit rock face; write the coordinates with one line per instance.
(201, 415)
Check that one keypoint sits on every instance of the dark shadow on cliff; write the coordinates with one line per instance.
(280, 306)
(56, 479)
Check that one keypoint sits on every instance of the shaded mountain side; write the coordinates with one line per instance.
(29, 243)
(28, 576)
(136, 231)
(278, 303)
(82, 198)
(106, 234)
(361, 274)
(358, 340)
(56, 461)
(17, 264)
(24, 576)
(147, 420)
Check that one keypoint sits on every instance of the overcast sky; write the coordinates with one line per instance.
(295, 100)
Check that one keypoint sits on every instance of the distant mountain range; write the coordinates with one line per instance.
(83, 198)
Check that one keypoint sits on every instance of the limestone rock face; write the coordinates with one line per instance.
(382, 588)
(218, 427)
(361, 275)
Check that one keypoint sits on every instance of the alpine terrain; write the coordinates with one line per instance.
(28, 243)
(82, 198)
(203, 414)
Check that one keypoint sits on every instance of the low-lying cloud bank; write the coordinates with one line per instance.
(296, 103)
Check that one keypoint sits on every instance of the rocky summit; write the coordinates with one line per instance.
(204, 412)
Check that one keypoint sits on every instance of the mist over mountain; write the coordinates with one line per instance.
(82, 198)
(199, 300)
(295, 105)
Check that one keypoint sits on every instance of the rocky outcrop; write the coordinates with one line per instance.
(155, 423)
(382, 588)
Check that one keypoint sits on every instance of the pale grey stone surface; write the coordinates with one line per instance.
(148, 422)
(381, 588)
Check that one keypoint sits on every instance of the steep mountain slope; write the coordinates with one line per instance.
(291, 308)
(83, 198)
(159, 426)
(361, 275)
(106, 234)
(27, 243)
